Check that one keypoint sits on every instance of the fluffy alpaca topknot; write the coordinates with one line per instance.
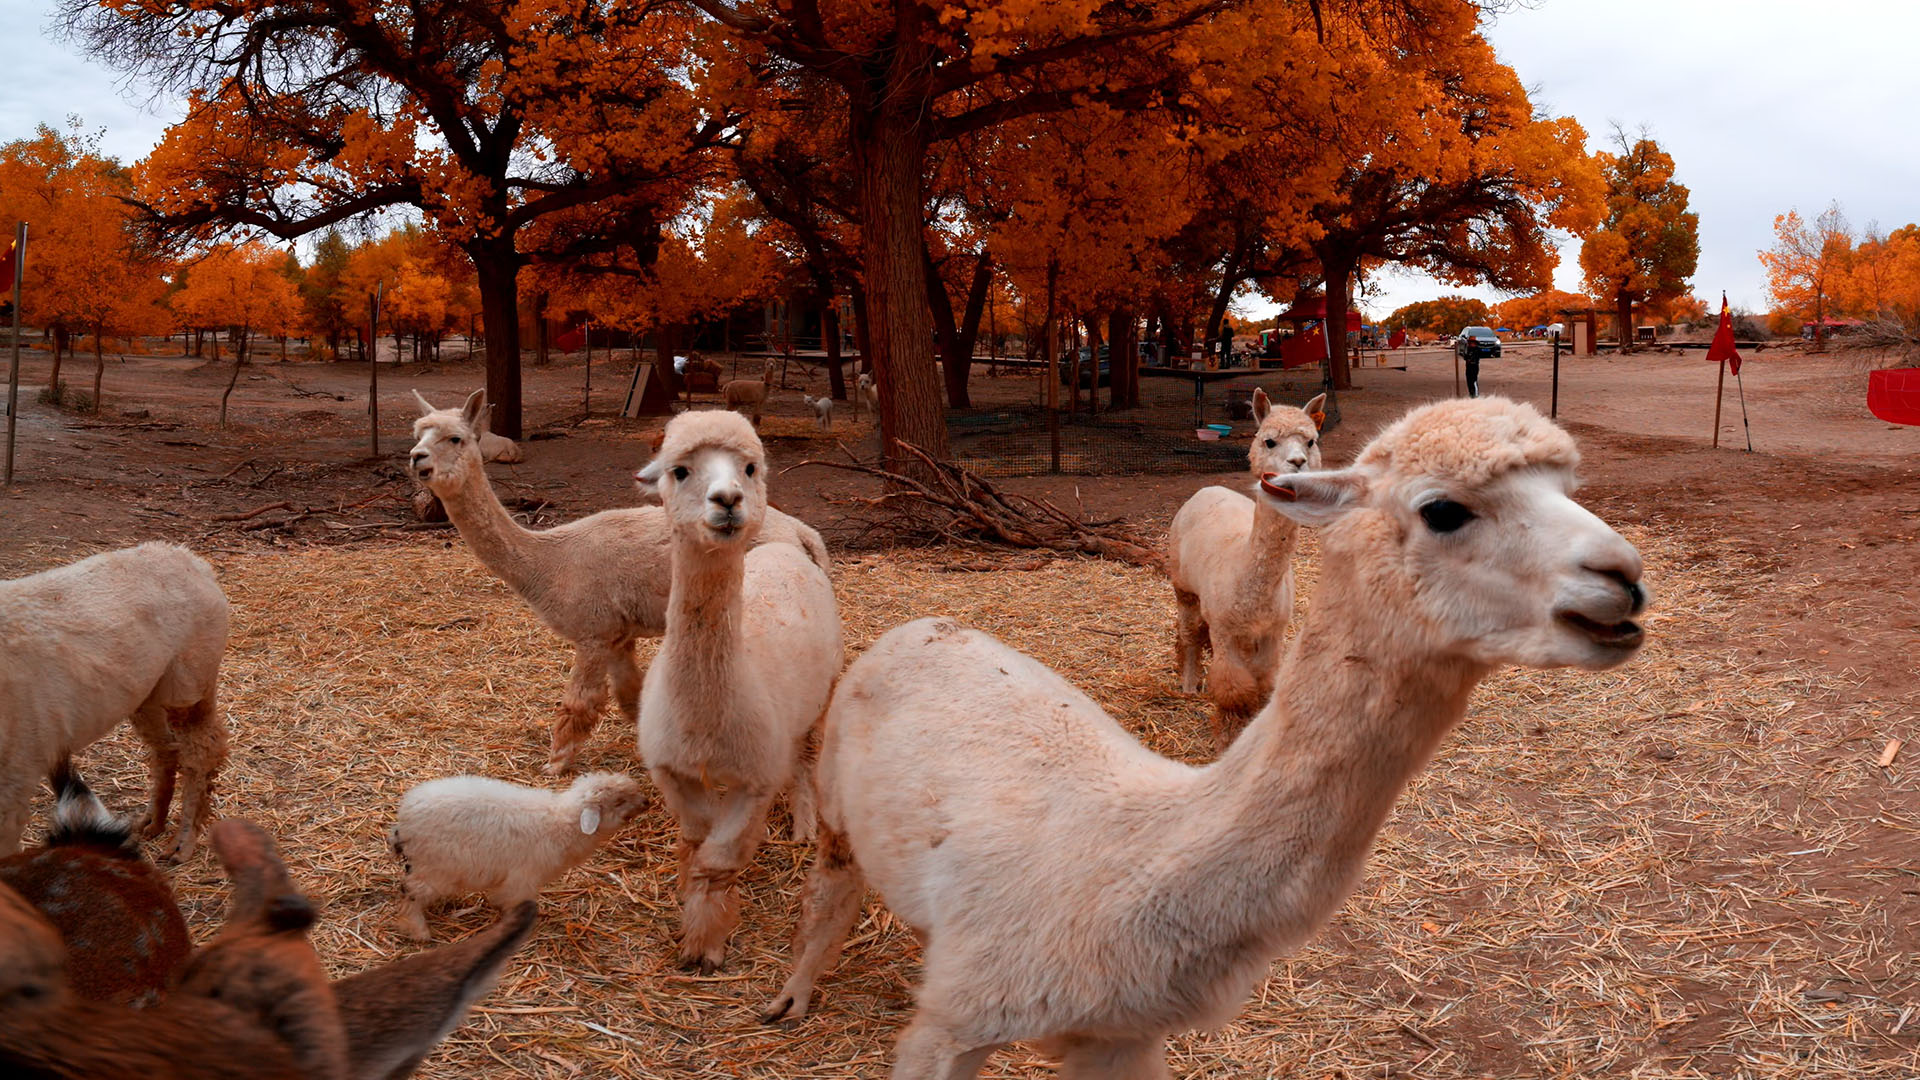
(723, 428)
(1471, 440)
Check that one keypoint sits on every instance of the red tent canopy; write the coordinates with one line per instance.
(1893, 395)
(1313, 309)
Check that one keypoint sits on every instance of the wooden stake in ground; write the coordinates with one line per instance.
(373, 374)
(1719, 388)
(1555, 413)
(1456, 372)
(18, 268)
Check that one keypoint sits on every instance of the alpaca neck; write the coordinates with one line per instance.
(1270, 547)
(703, 613)
(500, 543)
(1280, 827)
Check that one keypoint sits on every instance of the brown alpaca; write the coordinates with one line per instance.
(749, 396)
(255, 1004)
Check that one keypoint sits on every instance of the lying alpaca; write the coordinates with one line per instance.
(1231, 561)
(1072, 885)
(753, 644)
(138, 632)
(600, 582)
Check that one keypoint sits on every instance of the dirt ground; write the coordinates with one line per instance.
(1690, 867)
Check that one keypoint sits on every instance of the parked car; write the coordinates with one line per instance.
(1477, 342)
(1087, 377)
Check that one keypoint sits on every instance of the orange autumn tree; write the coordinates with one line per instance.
(484, 117)
(1449, 169)
(1537, 309)
(1649, 244)
(90, 270)
(1806, 262)
(424, 292)
(242, 289)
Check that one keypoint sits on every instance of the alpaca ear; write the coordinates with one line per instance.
(474, 412)
(395, 1014)
(1317, 408)
(1261, 405)
(589, 819)
(425, 406)
(1313, 498)
(648, 478)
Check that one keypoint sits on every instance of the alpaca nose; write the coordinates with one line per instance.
(1298, 461)
(727, 497)
(418, 457)
(1619, 562)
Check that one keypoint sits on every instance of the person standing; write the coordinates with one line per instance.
(1226, 342)
(1473, 372)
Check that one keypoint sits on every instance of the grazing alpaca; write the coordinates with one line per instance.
(753, 644)
(1072, 885)
(254, 1004)
(1231, 560)
(749, 396)
(600, 582)
(138, 632)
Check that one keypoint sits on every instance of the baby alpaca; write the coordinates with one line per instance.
(1231, 561)
(866, 393)
(822, 410)
(749, 396)
(465, 834)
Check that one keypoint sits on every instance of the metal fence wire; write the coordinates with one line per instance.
(1017, 443)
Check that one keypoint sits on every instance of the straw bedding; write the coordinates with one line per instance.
(1601, 875)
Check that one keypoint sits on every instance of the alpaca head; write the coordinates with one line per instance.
(711, 475)
(33, 964)
(1460, 529)
(608, 801)
(1289, 439)
(447, 449)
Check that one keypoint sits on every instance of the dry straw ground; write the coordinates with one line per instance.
(1548, 900)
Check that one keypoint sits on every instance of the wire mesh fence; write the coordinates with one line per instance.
(1018, 442)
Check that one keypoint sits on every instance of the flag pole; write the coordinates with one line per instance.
(1719, 390)
(1742, 384)
(13, 369)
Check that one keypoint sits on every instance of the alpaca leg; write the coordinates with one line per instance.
(414, 898)
(624, 668)
(163, 765)
(829, 904)
(1188, 632)
(1131, 1059)
(712, 905)
(580, 709)
(201, 736)
(928, 1050)
(801, 797)
(1236, 697)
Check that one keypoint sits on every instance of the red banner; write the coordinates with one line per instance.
(1722, 347)
(1893, 395)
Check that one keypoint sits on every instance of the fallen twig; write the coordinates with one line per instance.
(253, 513)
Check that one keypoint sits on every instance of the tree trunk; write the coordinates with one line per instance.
(99, 367)
(959, 366)
(940, 307)
(233, 378)
(1623, 312)
(666, 342)
(889, 151)
(1124, 391)
(830, 337)
(540, 331)
(1819, 322)
(498, 268)
(862, 341)
(1229, 280)
(1340, 375)
(59, 346)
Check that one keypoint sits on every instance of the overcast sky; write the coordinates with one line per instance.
(1766, 105)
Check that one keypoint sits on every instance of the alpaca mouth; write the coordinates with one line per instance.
(1625, 634)
(424, 472)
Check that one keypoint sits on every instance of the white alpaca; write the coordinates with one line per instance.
(132, 633)
(465, 834)
(1231, 561)
(493, 447)
(822, 410)
(1073, 886)
(749, 396)
(600, 582)
(867, 393)
(753, 644)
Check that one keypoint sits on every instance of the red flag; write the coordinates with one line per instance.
(1398, 339)
(6, 272)
(1722, 347)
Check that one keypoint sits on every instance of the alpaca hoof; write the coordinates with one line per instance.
(558, 766)
(146, 828)
(785, 1009)
(705, 961)
(180, 850)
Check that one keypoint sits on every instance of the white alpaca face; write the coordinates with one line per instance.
(447, 443)
(712, 493)
(1511, 572)
(1288, 440)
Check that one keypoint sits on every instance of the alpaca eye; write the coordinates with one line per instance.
(1311, 443)
(750, 468)
(1445, 515)
(455, 440)
(679, 472)
(1271, 443)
